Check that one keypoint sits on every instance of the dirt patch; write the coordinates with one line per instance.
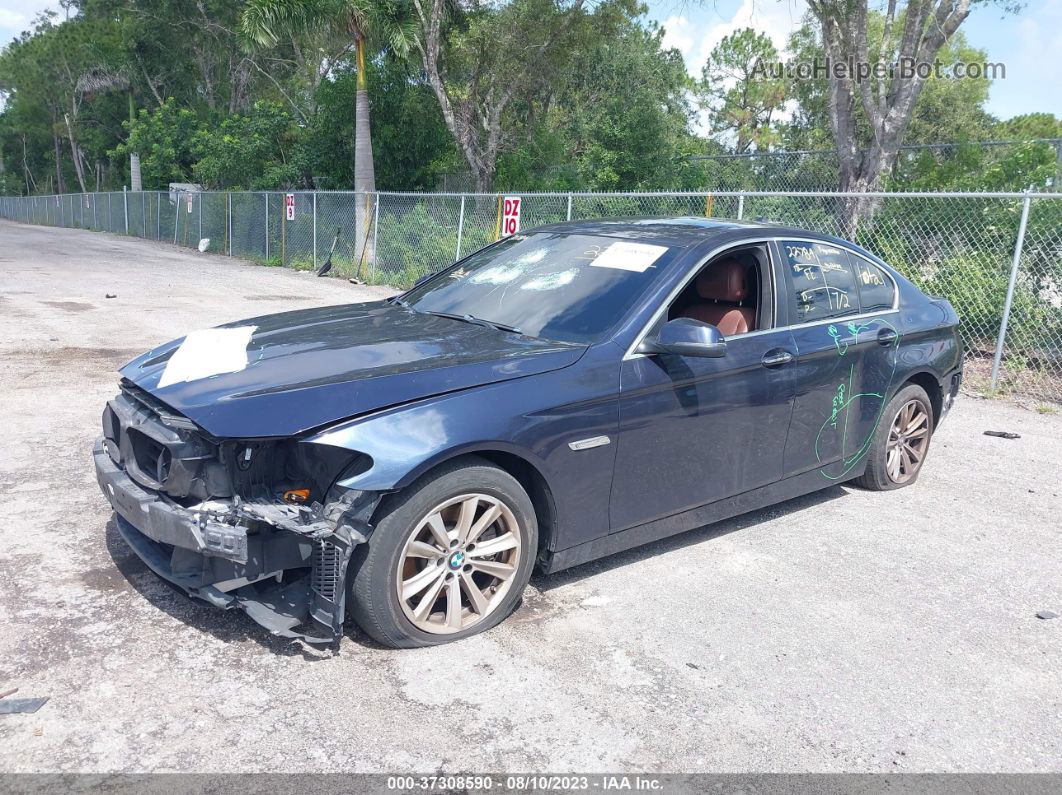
(70, 306)
(107, 355)
(278, 298)
(110, 578)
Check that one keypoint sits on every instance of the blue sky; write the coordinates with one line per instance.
(1030, 43)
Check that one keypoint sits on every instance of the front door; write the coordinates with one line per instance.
(696, 430)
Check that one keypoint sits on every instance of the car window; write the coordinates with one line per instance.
(876, 289)
(820, 280)
(570, 288)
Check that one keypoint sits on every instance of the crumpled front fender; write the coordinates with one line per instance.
(235, 554)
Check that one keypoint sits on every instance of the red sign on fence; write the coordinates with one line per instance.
(510, 224)
(289, 206)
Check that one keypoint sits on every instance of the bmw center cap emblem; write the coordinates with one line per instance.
(457, 559)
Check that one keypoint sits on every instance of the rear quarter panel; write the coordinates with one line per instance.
(930, 341)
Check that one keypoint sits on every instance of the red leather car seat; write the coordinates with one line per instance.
(726, 285)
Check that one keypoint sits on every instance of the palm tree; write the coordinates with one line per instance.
(266, 21)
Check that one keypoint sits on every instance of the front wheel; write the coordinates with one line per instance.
(448, 558)
(901, 441)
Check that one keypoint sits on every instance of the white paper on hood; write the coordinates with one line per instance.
(629, 256)
(208, 352)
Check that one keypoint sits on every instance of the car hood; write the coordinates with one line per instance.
(281, 374)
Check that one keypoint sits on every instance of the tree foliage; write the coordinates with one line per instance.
(516, 94)
(740, 91)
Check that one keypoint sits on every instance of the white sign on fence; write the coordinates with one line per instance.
(289, 206)
(189, 203)
(510, 224)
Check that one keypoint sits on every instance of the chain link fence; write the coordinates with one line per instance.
(997, 257)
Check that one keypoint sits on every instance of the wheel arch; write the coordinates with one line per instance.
(527, 474)
(931, 385)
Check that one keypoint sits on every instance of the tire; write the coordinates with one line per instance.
(407, 545)
(884, 473)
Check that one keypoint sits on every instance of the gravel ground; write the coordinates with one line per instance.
(843, 631)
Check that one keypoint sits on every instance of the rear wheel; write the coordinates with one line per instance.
(448, 558)
(901, 441)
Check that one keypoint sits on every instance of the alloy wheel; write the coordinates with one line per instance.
(908, 440)
(458, 563)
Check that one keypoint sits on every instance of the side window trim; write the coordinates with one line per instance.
(766, 244)
(781, 277)
(786, 277)
(779, 256)
(805, 271)
(888, 275)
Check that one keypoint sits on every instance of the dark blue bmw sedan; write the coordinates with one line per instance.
(560, 395)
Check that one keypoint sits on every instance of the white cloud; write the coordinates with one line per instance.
(11, 19)
(676, 35)
(696, 39)
(17, 16)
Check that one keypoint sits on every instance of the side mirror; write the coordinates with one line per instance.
(685, 336)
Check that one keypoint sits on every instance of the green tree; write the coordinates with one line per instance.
(165, 140)
(409, 138)
(482, 58)
(258, 150)
(602, 130)
(739, 88)
(948, 111)
(265, 22)
(912, 32)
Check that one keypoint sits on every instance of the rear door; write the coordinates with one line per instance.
(846, 354)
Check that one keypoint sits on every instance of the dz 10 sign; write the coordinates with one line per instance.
(289, 206)
(510, 224)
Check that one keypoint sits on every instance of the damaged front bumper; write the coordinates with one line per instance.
(284, 565)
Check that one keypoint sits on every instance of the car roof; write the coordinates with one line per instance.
(679, 232)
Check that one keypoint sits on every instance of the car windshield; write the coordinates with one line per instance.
(570, 288)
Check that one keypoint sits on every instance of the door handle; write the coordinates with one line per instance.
(776, 358)
(887, 336)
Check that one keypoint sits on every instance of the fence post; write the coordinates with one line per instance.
(741, 206)
(176, 219)
(229, 201)
(375, 231)
(95, 226)
(200, 197)
(266, 197)
(1018, 245)
(158, 215)
(569, 207)
(315, 230)
(460, 228)
(125, 207)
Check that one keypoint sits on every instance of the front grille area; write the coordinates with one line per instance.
(160, 450)
(152, 458)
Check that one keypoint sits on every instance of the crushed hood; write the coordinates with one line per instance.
(281, 374)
